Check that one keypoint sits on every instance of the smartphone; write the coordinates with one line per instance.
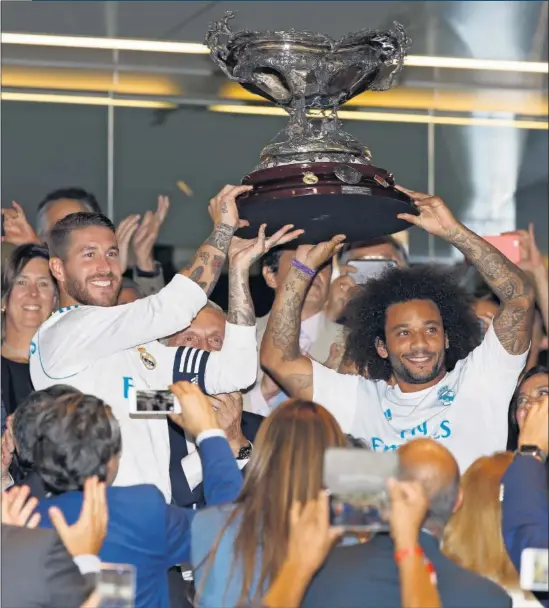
(153, 403)
(508, 244)
(116, 586)
(371, 268)
(534, 570)
(356, 480)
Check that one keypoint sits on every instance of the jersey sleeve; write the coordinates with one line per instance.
(233, 368)
(337, 393)
(88, 333)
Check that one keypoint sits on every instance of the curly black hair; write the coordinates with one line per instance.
(365, 315)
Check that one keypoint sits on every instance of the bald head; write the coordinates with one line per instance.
(434, 467)
(207, 330)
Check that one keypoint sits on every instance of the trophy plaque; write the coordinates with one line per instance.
(313, 174)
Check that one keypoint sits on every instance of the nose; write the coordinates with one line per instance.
(103, 265)
(418, 340)
(33, 289)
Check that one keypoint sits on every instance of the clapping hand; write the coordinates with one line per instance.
(146, 235)
(197, 414)
(17, 510)
(17, 229)
(124, 233)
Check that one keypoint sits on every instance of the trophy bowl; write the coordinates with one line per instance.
(313, 174)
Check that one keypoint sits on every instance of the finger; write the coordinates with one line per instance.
(532, 234)
(58, 521)
(20, 498)
(274, 238)
(335, 533)
(407, 217)
(290, 236)
(34, 520)
(412, 194)
(28, 510)
(295, 513)
(236, 190)
(17, 207)
(222, 193)
(163, 206)
(243, 223)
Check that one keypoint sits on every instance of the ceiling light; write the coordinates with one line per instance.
(86, 100)
(159, 46)
(393, 117)
(114, 44)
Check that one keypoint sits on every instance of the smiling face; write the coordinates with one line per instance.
(532, 390)
(90, 272)
(415, 343)
(32, 297)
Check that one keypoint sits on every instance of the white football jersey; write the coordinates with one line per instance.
(106, 351)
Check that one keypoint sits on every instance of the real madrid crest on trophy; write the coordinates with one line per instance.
(314, 174)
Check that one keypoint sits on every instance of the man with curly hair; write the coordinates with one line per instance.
(414, 340)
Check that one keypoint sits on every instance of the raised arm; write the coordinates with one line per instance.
(208, 261)
(513, 322)
(280, 353)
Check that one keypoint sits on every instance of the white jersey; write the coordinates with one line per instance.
(466, 411)
(106, 351)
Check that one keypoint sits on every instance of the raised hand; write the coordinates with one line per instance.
(311, 536)
(340, 293)
(314, 256)
(124, 232)
(86, 535)
(434, 215)
(535, 429)
(17, 510)
(223, 208)
(244, 252)
(146, 234)
(17, 229)
(228, 411)
(409, 505)
(197, 413)
(530, 255)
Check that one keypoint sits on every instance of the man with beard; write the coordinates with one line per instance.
(110, 351)
(414, 325)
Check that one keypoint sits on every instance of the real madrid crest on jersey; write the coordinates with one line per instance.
(146, 358)
(446, 395)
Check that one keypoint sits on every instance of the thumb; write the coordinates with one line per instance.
(17, 207)
(408, 217)
(58, 520)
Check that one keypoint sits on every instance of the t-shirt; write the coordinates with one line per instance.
(466, 411)
(107, 351)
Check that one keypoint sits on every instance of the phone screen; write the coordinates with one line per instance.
(508, 244)
(369, 269)
(116, 586)
(148, 402)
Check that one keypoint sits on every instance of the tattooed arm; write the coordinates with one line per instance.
(280, 353)
(208, 261)
(513, 322)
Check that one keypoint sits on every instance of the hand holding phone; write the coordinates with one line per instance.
(196, 412)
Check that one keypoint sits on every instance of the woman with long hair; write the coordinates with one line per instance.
(533, 387)
(238, 549)
(29, 296)
(473, 537)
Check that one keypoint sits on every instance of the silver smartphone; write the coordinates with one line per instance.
(116, 586)
(153, 403)
(356, 480)
(534, 570)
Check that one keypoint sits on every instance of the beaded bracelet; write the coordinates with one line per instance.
(309, 271)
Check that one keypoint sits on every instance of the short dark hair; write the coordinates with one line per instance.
(87, 199)
(365, 315)
(512, 437)
(26, 415)
(59, 236)
(77, 437)
(16, 262)
(382, 240)
(271, 260)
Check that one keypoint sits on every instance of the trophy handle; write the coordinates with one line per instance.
(219, 50)
(394, 67)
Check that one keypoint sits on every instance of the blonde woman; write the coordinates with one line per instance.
(473, 537)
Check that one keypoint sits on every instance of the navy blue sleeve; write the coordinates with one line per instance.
(190, 365)
(524, 510)
(178, 535)
(222, 477)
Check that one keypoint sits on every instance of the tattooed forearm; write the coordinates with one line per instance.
(513, 323)
(241, 306)
(221, 237)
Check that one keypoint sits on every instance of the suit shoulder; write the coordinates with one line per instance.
(145, 493)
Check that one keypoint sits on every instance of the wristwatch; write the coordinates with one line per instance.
(245, 452)
(532, 450)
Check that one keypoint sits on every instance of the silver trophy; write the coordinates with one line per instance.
(314, 174)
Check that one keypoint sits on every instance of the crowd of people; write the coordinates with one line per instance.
(220, 501)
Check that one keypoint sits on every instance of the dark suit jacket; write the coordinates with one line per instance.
(146, 532)
(366, 576)
(38, 572)
(182, 495)
(524, 510)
